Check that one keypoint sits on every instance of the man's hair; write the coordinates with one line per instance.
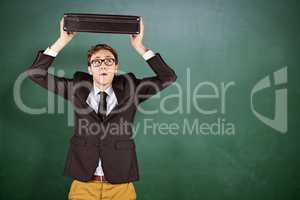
(99, 47)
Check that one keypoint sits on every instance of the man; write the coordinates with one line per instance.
(102, 158)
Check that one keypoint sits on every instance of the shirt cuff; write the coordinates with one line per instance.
(50, 52)
(149, 54)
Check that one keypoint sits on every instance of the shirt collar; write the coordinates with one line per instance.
(108, 90)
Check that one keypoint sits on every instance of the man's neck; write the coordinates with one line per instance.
(102, 87)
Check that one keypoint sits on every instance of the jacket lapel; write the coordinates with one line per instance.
(121, 94)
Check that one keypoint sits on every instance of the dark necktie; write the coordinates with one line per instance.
(102, 105)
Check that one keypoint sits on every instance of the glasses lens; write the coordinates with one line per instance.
(96, 62)
(109, 61)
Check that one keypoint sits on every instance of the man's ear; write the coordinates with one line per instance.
(116, 70)
(90, 71)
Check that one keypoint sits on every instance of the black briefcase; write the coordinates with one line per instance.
(98, 23)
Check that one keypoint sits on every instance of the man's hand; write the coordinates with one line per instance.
(64, 38)
(137, 40)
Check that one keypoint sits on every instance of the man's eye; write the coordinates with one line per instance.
(96, 62)
(109, 60)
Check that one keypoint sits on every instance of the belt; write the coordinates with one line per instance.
(100, 178)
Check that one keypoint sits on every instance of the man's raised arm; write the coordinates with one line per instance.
(38, 72)
(165, 76)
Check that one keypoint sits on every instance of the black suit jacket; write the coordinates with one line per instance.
(92, 137)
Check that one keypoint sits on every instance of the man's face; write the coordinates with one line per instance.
(103, 67)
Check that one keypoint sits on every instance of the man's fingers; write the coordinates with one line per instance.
(141, 25)
(62, 22)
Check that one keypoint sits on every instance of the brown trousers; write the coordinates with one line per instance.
(96, 190)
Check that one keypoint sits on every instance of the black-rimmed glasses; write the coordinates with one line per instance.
(106, 61)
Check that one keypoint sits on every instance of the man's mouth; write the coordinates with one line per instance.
(103, 74)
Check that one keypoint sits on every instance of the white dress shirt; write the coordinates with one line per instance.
(94, 98)
(93, 101)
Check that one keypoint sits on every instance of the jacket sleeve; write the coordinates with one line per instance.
(38, 72)
(149, 86)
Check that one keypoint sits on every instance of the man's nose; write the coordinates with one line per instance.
(102, 66)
